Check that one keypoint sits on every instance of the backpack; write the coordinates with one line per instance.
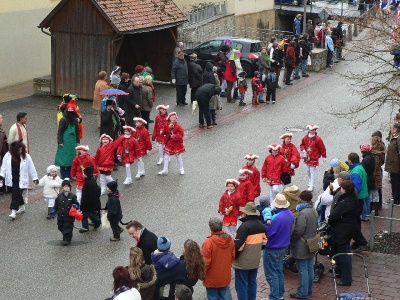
(271, 80)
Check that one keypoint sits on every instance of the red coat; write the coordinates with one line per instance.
(143, 138)
(291, 54)
(227, 201)
(104, 158)
(79, 163)
(245, 188)
(129, 150)
(273, 168)
(314, 147)
(160, 129)
(254, 179)
(229, 74)
(291, 156)
(174, 144)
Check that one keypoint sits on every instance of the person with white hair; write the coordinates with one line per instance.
(51, 183)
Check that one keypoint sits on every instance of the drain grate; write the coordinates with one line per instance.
(294, 129)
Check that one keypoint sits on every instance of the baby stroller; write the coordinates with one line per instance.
(353, 295)
(319, 268)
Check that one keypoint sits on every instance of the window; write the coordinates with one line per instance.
(211, 46)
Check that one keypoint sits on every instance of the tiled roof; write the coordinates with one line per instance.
(136, 15)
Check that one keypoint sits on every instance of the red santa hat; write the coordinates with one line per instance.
(71, 105)
(162, 106)
(232, 181)
(172, 114)
(82, 147)
(285, 135)
(245, 171)
(251, 156)
(137, 119)
(274, 146)
(312, 127)
(106, 136)
(131, 129)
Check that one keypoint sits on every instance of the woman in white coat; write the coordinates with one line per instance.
(16, 169)
(124, 286)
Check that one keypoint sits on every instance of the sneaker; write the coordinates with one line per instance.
(268, 102)
(273, 102)
(160, 161)
(83, 230)
(209, 127)
(202, 126)
(138, 175)
(113, 239)
(214, 124)
(182, 171)
(21, 209)
(310, 188)
(128, 181)
(163, 172)
(296, 77)
(305, 75)
(242, 104)
(13, 214)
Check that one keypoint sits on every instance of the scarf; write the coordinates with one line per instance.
(20, 136)
(300, 206)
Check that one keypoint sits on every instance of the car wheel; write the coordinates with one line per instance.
(247, 68)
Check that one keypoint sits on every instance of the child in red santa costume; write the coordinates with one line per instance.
(290, 153)
(245, 188)
(312, 148)
(229, 206)
(80, 162)
(128, 151)
(255, 175)
(104, 159)
(160, 129)
(174, 144)
(143, 138)
(271, 172)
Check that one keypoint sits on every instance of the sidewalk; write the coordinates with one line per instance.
(383, 269)
(17, 91)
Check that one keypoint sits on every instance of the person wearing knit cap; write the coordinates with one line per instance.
(143, 138)
(80, 162)
(255, 175)
(312, 148)
(128, 151)
(265, 209)
(90, 203)
(62, 206)
(272, 169)
(290, 153)
(305, 227)
(174, 144)
(163, 258)
(368, 162)
(160, 130)
(246, 187)
(228, 206)
(51, 183)
(114, 210)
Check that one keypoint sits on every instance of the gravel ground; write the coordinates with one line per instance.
(387, 243)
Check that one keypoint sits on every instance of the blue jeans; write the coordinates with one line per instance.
(217, 293)
(273, 270)
(92, 216)
(261, 96)
(297, 68)
(366, 208)
(212, 115)
(306, 277)
(246, 284)
(304, 66)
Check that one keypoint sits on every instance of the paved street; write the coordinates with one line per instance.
(34, 265)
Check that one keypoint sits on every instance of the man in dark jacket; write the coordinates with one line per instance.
(114, 210)
(90, 203)
(248, 245)
(203, 96)
(208, 75)
(368, 162)
(145, 239)
(64, 201)
(133, 102)
(195, 76)
(180, 78)
(109, 120)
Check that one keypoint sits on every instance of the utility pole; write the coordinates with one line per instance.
(305, 15)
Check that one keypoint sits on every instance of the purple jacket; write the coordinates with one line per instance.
(280, 230)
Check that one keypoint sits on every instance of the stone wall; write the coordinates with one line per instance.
(318, 60)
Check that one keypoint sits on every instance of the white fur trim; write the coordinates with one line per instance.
(251, 156)
(287, 134)
(105, 136)
(245, 171)
(312, 127)
(274, 146)
(163, 106)
(233, 181)
(136, 119)
(172, 114)
(82, 147)
(130, 128)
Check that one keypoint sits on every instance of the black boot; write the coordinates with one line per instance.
(49, 214)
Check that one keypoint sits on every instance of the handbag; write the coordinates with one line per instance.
(289, 61)
(314, 244)
(104, 221)
(309, 61)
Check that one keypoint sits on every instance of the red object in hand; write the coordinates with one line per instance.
(73, 212)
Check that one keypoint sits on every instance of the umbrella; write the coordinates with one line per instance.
(112, 92)
(234, 55)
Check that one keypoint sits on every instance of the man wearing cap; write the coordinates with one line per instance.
(219, 252)
(195, 76)
(248, 245)
(180, 78)
(278, 234)
(145, 239)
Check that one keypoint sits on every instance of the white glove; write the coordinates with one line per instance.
(292, 166)
(173, 81)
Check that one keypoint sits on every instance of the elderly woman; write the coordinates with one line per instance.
(343, 221)
(305, 227)
(144, 275)
(147, 99)
(101, 85)
(124, 286)
(392, 164)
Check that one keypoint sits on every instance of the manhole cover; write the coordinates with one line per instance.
(294, 129)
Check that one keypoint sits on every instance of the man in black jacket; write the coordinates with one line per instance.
(195, 76)
(145, 239)
(180, 78)
(203, 96)
(133, 102)
(90, 203)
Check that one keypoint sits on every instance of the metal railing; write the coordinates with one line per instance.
(390, 218)
(202, 13)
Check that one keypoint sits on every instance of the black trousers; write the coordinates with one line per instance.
(204, 112)
(192, 92)
(358, 237)
(395, 182)
(288, 74)
(66, 227)
(146, 117)
(271, 92)
(181, 93)
(116, 230)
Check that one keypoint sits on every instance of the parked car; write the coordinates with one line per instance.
(292, 2)
(250, 50)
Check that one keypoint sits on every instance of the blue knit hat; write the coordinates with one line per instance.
(163, 244)
(335, 163)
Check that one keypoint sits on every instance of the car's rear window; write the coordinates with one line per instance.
(255, 47)
(237, 45)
